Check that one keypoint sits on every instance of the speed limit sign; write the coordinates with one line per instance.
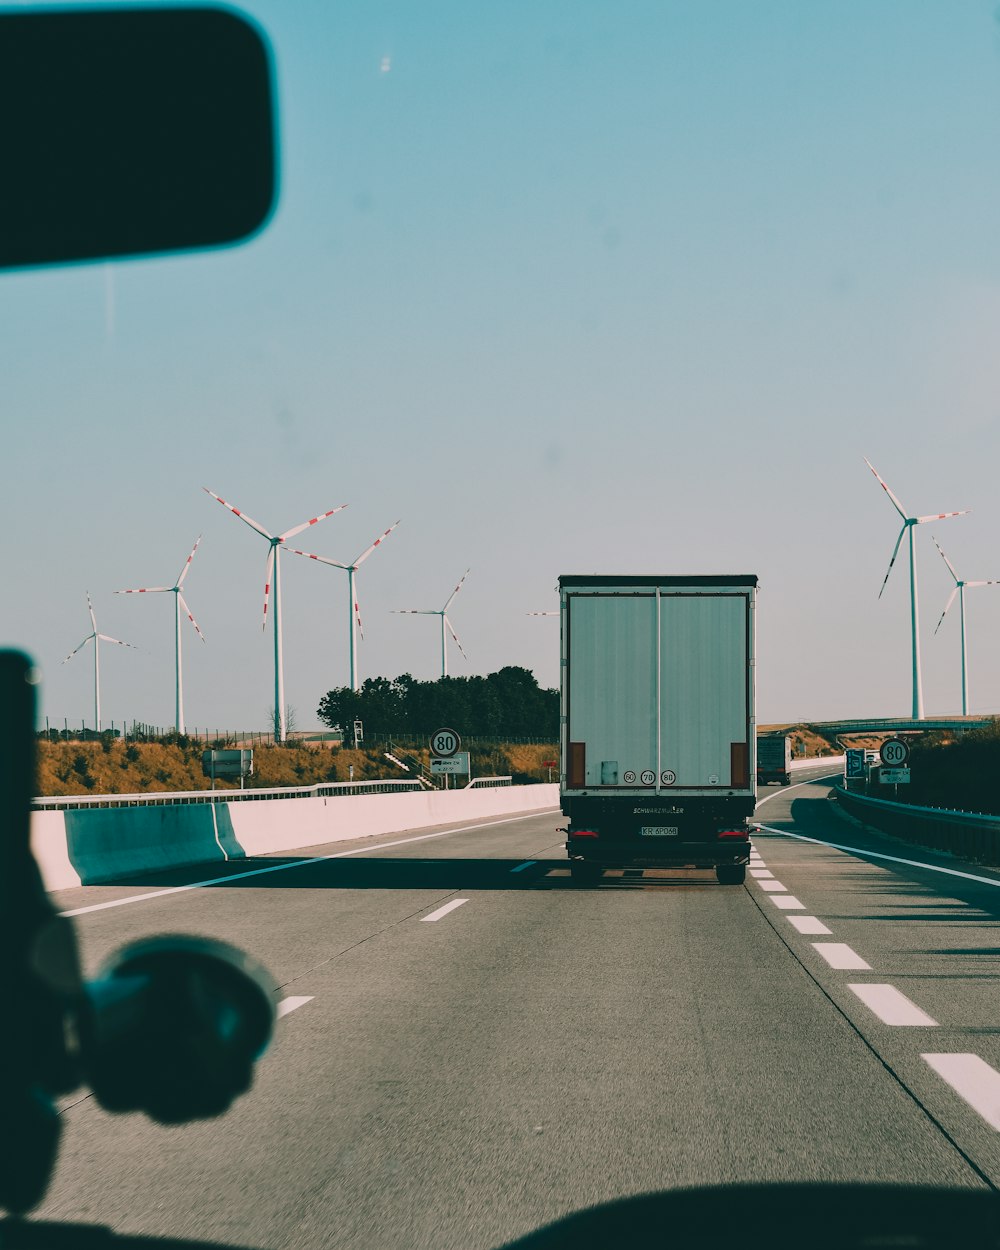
(445, 742)
(894, 753)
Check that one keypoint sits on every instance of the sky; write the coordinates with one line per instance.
(566, 287)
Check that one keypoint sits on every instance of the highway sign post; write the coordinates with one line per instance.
(450, 765)
(855, 762)
(894, 753)
(894, 776)
(445, 742)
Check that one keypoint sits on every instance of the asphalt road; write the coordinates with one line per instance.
(472, 1046)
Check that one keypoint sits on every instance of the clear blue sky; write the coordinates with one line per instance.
(571, 287)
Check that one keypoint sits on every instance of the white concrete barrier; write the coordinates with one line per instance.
(89, 846)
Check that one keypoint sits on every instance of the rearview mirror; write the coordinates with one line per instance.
(130, 132)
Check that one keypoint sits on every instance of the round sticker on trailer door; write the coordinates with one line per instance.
(629, 777)
(668, 777)
(648, 777)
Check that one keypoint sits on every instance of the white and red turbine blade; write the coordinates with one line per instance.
(187, 564)
(455, 592)
(951, 600)
(895, 502)
(951, 568)
(242, 515)
(145, 590)
(322, 559)
(90, 609)
(312, 521)
(541, 614)
(79, 648)
(895, 552)
(357, 617)
(451, 630)
(267, 583)
(190, 616)
(942, 516)
(415, 612)
(989, 583)
(117, 641)
(368, 550)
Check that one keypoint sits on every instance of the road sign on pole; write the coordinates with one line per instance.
(445, 742)
(894, 776)
(855, 764)
(450, 765)
(894, 753)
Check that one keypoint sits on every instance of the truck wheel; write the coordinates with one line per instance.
(584, 873)
(730, 874)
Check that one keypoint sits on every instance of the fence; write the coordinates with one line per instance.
(969, 835)
(323, 790)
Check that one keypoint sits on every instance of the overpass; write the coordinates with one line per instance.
(899, 724)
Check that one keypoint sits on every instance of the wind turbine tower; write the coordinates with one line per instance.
(179, 603)
(354, 625)
(271, 577)
(959, 590)
(909, 523)
(445, 623)
(97, 640)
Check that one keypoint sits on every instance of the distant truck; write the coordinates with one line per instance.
(658, 735)
(774, 760)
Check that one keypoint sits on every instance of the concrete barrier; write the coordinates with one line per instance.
(91, 846)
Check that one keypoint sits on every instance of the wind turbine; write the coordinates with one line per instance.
(273, 569)
(179, 603)
(355, 611)
(959, 590)
(98, 639)
(908, 523)
(443, 613)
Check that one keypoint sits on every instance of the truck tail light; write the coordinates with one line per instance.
(584, 833)
(733, 833)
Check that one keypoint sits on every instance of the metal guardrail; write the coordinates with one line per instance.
(970, 835)
(322, 790)
(485, 783)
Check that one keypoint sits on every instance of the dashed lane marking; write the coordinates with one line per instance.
(290, 1004)
(891, 1006)
(443, 911)
(808, 924)
(839, 955)
(762, 874)
(772, 887)
(787, 902)
(974, 1080)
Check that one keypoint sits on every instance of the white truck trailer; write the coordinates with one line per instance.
(774, 759)
(657, 722)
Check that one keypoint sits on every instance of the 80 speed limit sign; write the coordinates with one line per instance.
(894, 753)
(445, 742)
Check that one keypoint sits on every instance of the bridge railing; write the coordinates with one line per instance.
(322, 790)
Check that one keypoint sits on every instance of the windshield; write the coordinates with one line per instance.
(563, 289)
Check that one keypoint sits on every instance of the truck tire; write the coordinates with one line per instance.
(730, 874)
(584, 873)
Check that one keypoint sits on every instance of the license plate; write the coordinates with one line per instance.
(659, 831)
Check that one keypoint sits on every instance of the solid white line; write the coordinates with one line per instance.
(893, 859)
(443, 911)
(798, 785)
(839, 955)
(787, 902)
(762, 874)
(772, 887)
(528, 863)
(296, 863)
(807, 924)
(290, 1004)
(974, 1080)
(891, 1006)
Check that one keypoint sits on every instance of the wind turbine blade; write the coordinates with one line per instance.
(187, 564)
(90, 609)
(118, 641)
(451, 630)
(267, 583)
(312, 521)
(895, 502)
(541, 614)
(990, 583)
(322, 559)
(145, 590)
(242, 515)
(942, 516)
(357, 616)
(895, 552)
(79, 648)
(455, 592)
(368, 550)
(951, 568)
(190, 616)
(415, 612)
(951, 600)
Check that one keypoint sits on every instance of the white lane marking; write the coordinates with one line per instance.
(762, 874)
(798, 785)
(772, 887)
(528, 863)
(295, 863)
(443, 911)
(893, 859)
(290, 1004)
(787, 902)
(891, 1006)
(974, 1080)
(808, 924)
(839, 955)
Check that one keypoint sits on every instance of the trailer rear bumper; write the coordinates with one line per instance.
(633, 852)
